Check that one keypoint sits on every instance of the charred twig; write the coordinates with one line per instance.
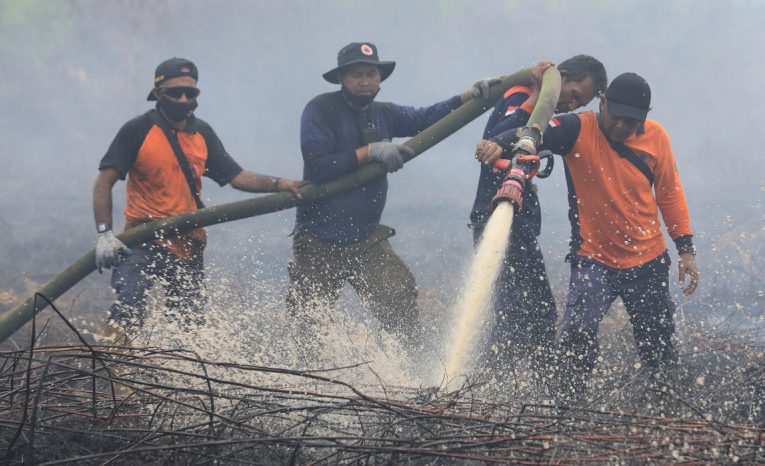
(281, 415)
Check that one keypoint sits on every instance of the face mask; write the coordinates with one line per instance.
(176, 111)
(358, 101)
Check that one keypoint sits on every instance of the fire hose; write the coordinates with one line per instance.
(520, 168)
(524, 164)
(14, 319)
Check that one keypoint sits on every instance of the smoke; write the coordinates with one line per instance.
(75, 71)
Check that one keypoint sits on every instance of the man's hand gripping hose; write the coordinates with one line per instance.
(523, 165)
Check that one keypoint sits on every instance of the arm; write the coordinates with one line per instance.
(519, 117)
(329, 139)
(519, 101)
(102, 196)
(256, 183)
(114, 165)
(669, 193)
(109, 250)
(223, 169)
(670, 197)
(408, 121)
(325, 157)
(559, 138)
(520, 111)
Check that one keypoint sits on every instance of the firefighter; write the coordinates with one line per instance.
(164, 153)
(340, 240)
(524, 307)
(621, 173)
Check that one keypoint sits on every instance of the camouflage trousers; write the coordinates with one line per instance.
(320, 269)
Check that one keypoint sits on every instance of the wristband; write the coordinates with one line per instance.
(102, 228)
(276, 184)
(684, 245)
(691, 251)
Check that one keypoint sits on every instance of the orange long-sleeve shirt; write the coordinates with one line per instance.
(614, 211)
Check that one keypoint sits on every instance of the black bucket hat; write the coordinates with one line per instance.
(173, 68)
(359, 52)
(629, 96)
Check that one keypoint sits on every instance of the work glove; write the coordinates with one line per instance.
(110, 251)
(479, 89)
(389, 154)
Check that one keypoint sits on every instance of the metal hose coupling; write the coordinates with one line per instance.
(529, 138)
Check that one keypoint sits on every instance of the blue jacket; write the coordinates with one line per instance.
(508, 113)
(330, 133)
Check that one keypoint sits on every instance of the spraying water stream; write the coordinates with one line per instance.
(477, 292)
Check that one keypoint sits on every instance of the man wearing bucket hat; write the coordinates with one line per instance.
(621, 172)
(163, 153)
(340, 240)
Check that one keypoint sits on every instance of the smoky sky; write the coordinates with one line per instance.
(73, 72)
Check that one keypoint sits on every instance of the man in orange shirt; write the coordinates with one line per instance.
(621, 172)
(164, 153)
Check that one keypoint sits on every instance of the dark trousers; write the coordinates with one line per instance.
(593, 288)
(524, 307)
(320, 269)
(150, 264)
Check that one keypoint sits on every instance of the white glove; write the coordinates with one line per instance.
(109, 250)
(480, 88)
(391, 155)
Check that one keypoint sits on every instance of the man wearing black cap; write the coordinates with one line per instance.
(524, 306)
(340, 240)
(164, 153)
(621, 172)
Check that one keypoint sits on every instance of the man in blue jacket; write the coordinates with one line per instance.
(340, 240)
(524, 306)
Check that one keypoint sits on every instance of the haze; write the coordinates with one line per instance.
(73, 72)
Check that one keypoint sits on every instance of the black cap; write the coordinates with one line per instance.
(359, 52)
(173, 68)
(629, 96)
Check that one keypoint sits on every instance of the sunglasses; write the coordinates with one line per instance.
(177, 92)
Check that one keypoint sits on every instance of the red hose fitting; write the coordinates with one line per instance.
(502, 164)
(511, 189)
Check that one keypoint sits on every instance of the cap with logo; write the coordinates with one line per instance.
(359, 52)
(629, 96)
(173, 68)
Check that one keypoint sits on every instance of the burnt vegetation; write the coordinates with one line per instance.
(74, 72)
(85, 403)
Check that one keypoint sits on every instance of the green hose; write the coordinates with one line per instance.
(14, 319)
(549, 94)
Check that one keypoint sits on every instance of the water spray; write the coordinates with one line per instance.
(14, 319)
(477, 293)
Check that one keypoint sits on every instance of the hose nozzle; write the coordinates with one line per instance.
(511, 189)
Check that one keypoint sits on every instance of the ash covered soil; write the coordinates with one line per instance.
(242, 389)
